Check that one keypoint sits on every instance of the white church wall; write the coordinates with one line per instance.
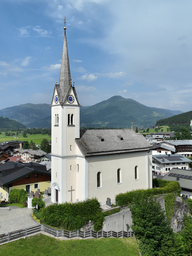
(71, 178)
(108, 166)
(56, 140)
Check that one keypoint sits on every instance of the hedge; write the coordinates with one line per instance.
(71, 216)
(128, 197)
(18, 196)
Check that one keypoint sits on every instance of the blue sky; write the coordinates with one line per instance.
(137, 49)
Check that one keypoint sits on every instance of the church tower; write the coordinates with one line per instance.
(65, 128)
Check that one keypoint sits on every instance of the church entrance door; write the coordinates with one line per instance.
(56, 194)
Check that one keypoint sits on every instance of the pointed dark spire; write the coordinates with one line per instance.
(65, 75)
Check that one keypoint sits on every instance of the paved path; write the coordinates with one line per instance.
(15, 219)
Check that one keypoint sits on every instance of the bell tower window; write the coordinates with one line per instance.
(70, 120)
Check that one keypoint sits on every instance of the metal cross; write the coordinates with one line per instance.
(64, 21)
(71, 192)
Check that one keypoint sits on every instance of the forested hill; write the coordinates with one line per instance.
(116, 112)
(180, 119)
(10, 124)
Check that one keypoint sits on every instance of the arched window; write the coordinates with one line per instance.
(119, 176)
(136, 173)
(99, 180)
(69, 119)
(72, 119)
(57, 119)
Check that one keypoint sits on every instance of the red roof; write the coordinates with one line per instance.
(16, 158)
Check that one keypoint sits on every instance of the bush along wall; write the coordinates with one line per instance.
(71, 216)
(18, 196)
(129, 197)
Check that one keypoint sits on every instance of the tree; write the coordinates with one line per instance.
(24, 134)
(32, 145)
(151, 227)
(26, 145)
(185, 134)
(45, 146)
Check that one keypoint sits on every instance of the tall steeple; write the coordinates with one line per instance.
(65, 75)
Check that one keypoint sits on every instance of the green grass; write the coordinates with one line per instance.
(37, 138)
(44, 245)
(15, 204)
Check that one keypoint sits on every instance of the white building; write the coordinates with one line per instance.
(97, 163)
(162, 164)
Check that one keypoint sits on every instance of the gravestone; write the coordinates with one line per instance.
(29, 202)
(46, 192)
(108, 202)
(32, 193)
(49, 191)
(37, 194)
(38, 190)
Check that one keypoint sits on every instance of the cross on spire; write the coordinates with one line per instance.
(64, 23)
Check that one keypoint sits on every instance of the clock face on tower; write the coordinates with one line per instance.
(56, 99)
(70, 99)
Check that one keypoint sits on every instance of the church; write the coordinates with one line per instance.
(93, 163)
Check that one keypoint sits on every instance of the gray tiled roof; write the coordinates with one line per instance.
(184, 183)
(167, 159)
(179, 142)
(38, 152)
(111, 141)
(12, 171)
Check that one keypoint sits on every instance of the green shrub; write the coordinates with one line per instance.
(71, 215)
(170, 204)
(18, 196)
(189, 203)
(39, 202)
(129, 197)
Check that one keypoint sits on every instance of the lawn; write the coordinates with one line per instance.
(37, 138)
(44, 245)
(14, 204)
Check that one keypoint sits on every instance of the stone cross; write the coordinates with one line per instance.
(108, 202)
(71, 192)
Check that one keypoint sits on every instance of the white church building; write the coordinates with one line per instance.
(95, 163)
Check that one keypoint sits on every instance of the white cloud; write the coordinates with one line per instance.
(114, 74)
(83, 88)
(25, 62)
(80, 22)
(80, 70)
(77, 60)
(53, 67)
(122, 92)
(42, 32)
(88, 77)
(24, 32)
(60, 7)
(9, 69)
(47, 48)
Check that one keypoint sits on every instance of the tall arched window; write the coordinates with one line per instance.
(99, 181)
(69, 119)
(72, 119)
(136, 173)
(119, 175)
(57, 119)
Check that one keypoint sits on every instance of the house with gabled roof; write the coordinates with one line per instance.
(27, 176)
(96, 163)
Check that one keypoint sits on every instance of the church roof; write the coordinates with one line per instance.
(65, 75)
(111, 141)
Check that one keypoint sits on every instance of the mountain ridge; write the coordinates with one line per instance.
(115, 112)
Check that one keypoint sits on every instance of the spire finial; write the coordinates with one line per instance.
(56, 81)
(65, 23)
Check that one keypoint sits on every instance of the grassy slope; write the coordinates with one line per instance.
(37, 138)
(44, 245)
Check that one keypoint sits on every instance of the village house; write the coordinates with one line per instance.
(27, 176)
(162, 164)
(30, 155)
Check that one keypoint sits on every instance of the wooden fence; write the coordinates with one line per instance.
(61, 233)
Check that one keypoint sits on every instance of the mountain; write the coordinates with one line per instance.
(26, 113)
(116, 112)
(180, 119)
(10, 124)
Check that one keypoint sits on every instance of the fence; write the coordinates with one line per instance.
(62, 233)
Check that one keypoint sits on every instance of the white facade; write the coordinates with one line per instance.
(76, 176)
